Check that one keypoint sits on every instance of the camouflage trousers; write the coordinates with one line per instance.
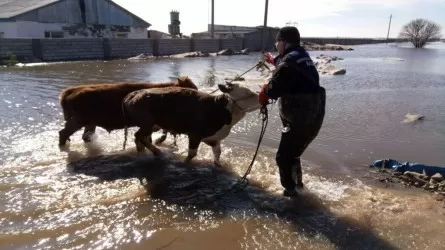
(302, 116)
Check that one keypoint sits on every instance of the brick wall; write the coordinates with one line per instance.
(71, 49)
(206, 45)
(125, 48)
(174, 46)
(18, 47)
(78, 49)
(235, 44)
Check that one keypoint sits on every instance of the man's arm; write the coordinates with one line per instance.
(281, 79)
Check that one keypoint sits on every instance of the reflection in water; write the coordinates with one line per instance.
(175, 69)
(191, 187)
(210, 74)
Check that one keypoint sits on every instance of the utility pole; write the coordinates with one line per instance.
(212, 29)
(264, 25)
(389, 27)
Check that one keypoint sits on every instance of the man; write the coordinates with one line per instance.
(302, 100)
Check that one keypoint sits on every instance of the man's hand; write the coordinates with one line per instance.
(269, 57)
(263, 99)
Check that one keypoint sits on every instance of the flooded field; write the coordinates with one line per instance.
(98, 196)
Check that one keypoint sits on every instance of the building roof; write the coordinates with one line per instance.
(130, 13)
(13, 8)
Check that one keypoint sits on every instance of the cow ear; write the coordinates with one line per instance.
(224, 88)
(229, 84)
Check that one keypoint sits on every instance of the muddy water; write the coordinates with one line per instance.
(97, 196)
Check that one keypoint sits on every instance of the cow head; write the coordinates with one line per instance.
(186, 82)
(242, 96)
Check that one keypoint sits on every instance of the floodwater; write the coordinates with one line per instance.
(98, 196)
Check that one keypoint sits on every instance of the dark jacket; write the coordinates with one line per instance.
(295, 73)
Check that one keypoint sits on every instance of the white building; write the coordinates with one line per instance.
(68, 19)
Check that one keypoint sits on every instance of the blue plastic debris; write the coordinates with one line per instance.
(409, 166)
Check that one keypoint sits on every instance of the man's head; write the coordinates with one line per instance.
(287, 36)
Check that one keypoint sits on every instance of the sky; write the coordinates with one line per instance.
(315, 18)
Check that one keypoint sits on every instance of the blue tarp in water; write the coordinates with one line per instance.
(409, 166)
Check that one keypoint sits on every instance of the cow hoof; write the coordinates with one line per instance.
(217, 164)
(62, 143)
(87, 138)
(63, 148)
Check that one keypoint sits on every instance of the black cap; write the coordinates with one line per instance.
(289, 34)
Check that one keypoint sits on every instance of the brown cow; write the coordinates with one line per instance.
(101, 105)
(201, 116)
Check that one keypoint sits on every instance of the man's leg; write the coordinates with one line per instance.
(302, 131)
(287, 158)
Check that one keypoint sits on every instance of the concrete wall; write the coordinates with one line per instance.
(235, 44)
(22, 48)
(71, 49)
(173, 46)
(206, 45)
(105, 48)
(124, 48)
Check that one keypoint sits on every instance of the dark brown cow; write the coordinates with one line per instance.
(201, 116)
(100, 105)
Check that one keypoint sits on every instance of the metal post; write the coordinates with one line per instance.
(265, 25)
(212, 34)
(389, 27)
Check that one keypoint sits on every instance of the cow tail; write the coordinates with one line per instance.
(125, 125)
(125, 135)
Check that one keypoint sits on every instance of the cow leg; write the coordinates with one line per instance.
(217, 154)
(193, 148)
(88, 133)
(216, 149)
(143, 139)
(71, 127)
(162, 138)
(140, 147)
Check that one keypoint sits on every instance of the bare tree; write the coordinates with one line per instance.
(420, 31)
